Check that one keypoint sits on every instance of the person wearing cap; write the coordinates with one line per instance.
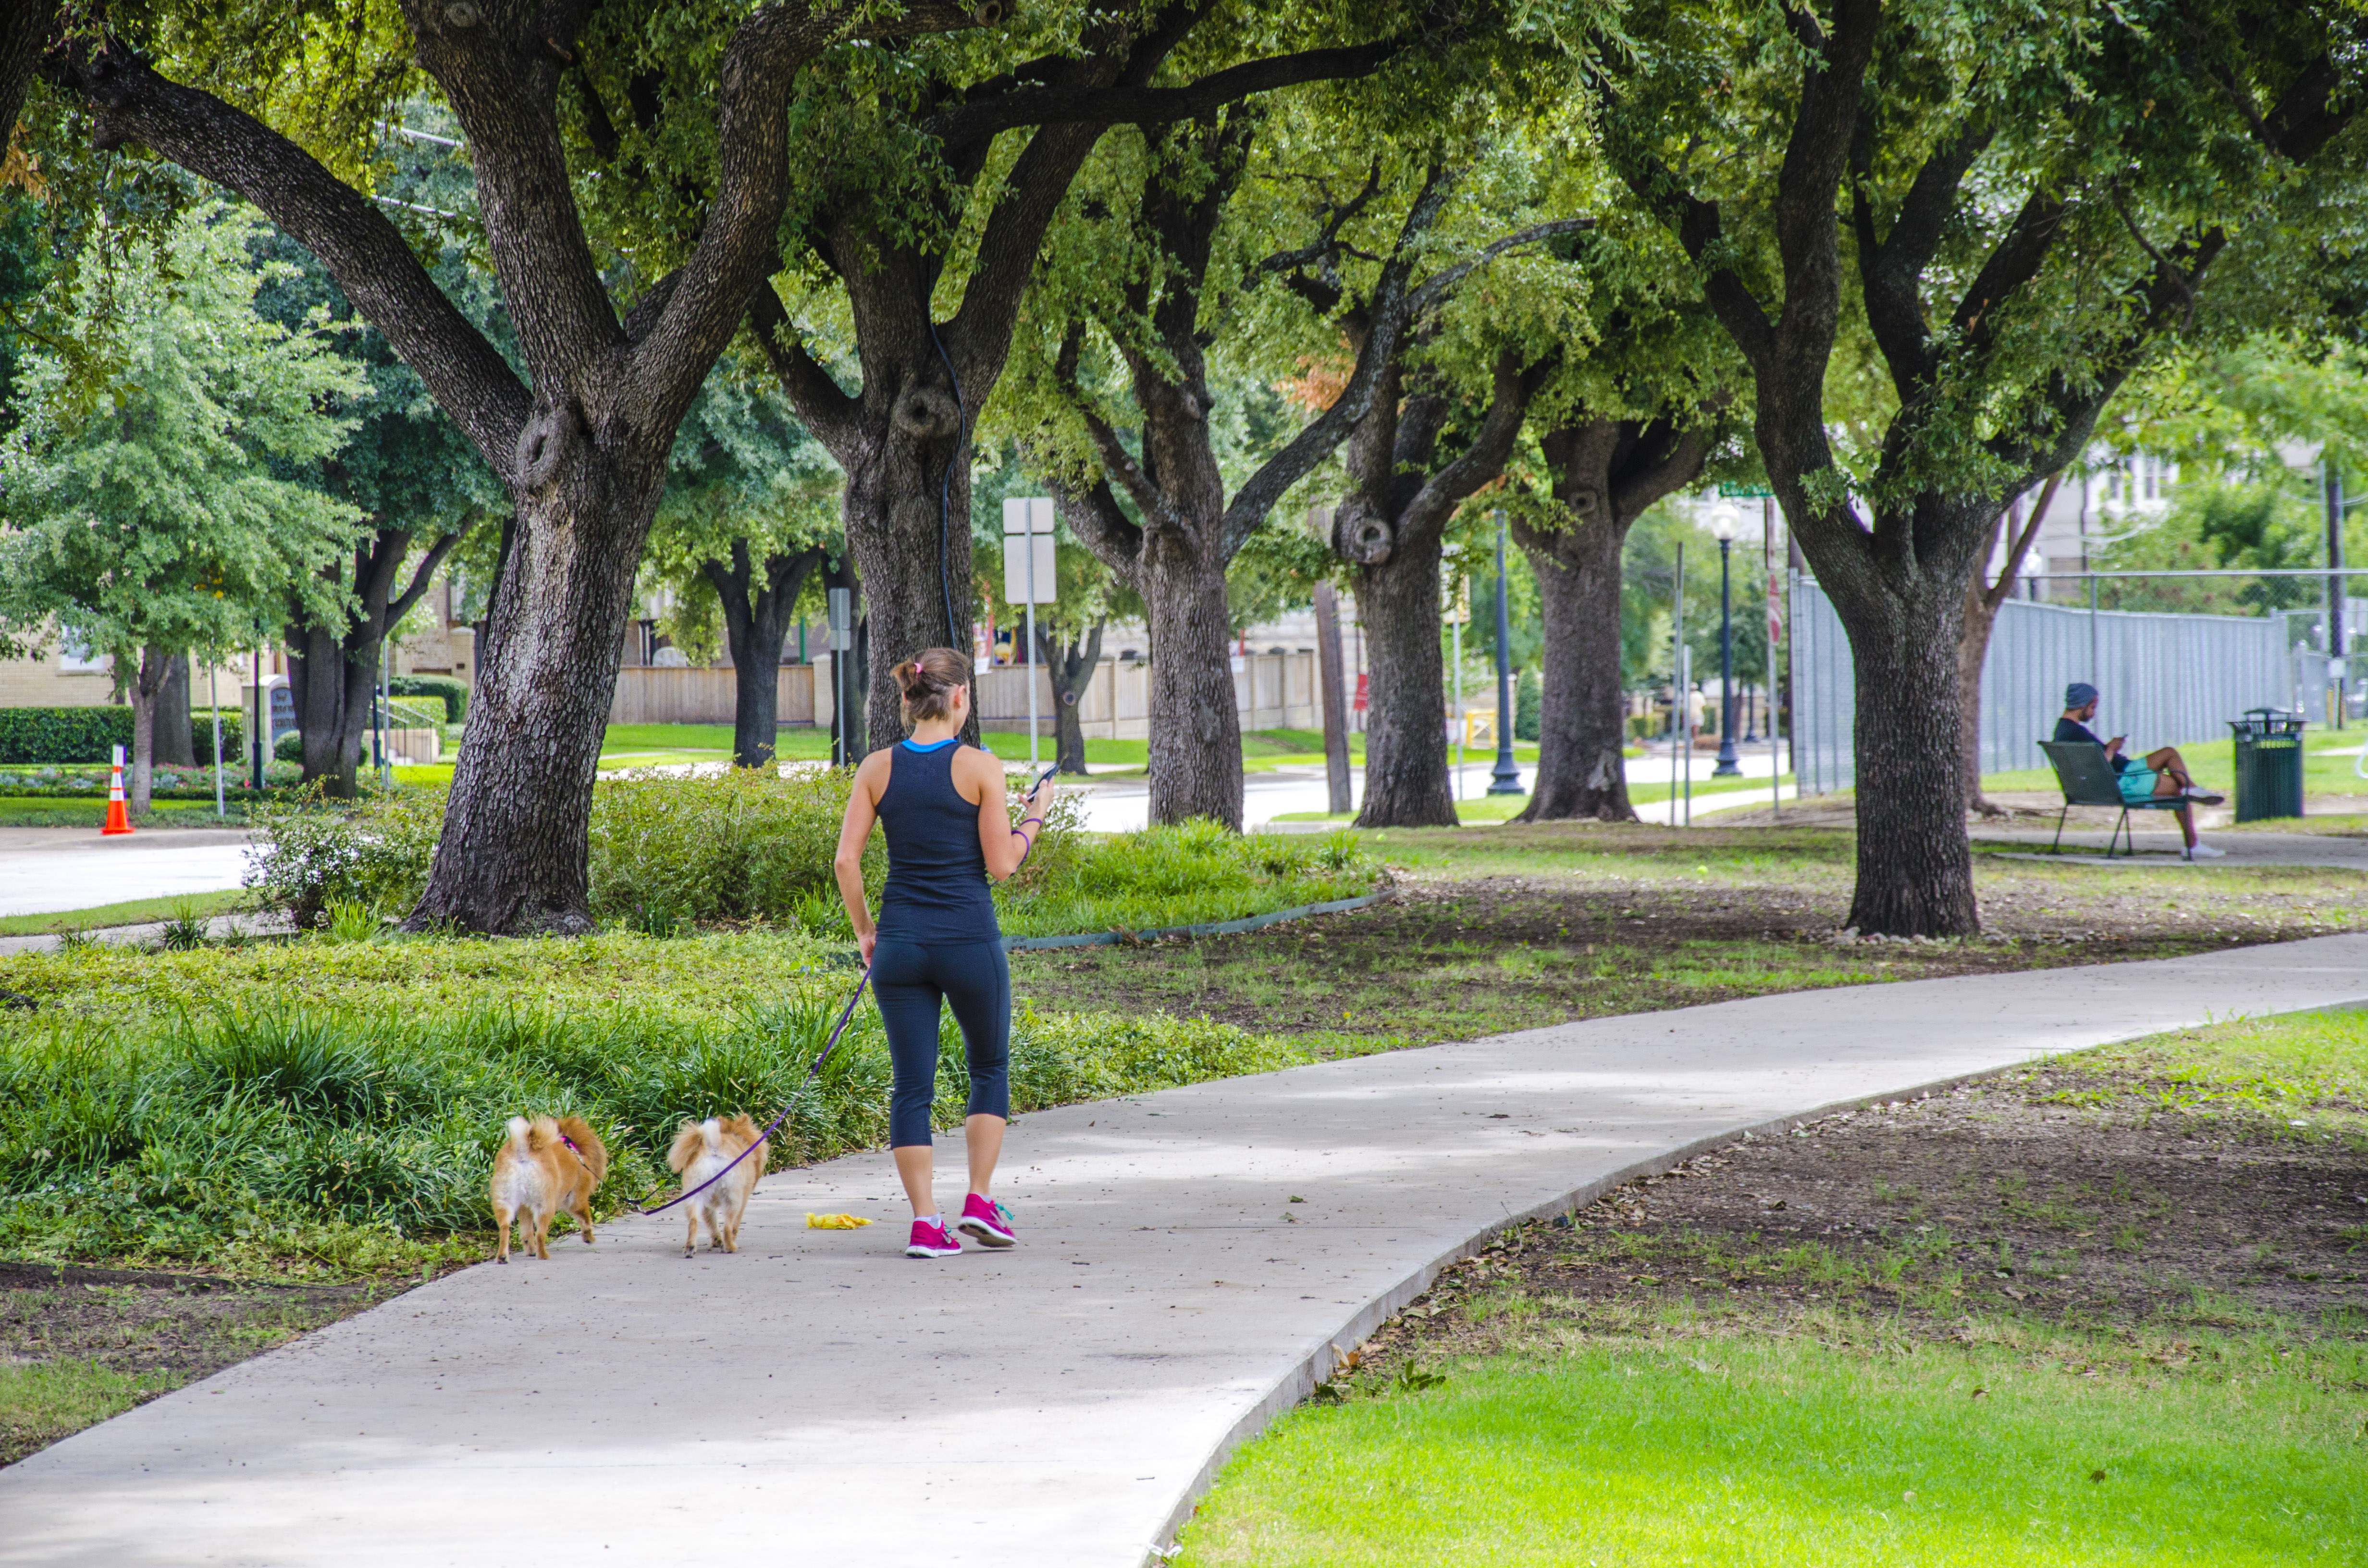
(2162, 774)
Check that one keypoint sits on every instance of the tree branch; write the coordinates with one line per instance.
(1093, 514)
(826, 410)
(1258, 496)
(1680, 462)
(1892, 271)
(741, 230)
(364, 252)
(1125, 103)
(26, 28)
(1439, 283)
(1482, 461)
(400, 605)
(1994, 594)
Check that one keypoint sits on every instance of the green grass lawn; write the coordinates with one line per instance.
(49, 811)
(44, 1401)
(1761, 1450)
(133, 912)
(2145, 1386)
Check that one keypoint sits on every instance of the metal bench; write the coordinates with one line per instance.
(2088, 780)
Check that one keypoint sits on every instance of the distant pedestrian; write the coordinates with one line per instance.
(942, 807)
(2162, 775)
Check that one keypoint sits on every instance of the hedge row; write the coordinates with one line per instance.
(88, 735)
(454, 692)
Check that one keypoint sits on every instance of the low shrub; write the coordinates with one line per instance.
(69, 735)
(351, 1123)
(310, 853)
(448, 689)
(747, 845)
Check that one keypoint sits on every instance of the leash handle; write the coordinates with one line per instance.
(845, 1014)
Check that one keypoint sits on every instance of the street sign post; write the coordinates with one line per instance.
(1030, 578)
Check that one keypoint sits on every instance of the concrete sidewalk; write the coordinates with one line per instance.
(819, 1399)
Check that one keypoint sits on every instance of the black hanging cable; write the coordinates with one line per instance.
(945, 490)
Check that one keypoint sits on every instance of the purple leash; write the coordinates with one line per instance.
(837, 1031)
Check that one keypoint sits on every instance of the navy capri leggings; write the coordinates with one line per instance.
(909, 979)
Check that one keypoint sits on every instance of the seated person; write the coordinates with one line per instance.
(2163, 774)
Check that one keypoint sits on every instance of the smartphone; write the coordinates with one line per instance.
(1043, 776)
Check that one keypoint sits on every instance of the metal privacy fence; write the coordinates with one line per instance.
(2166, 679)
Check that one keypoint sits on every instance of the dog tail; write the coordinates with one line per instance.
(743, 1127)
(521, 1138)
(690, 1140)
(588, 1147)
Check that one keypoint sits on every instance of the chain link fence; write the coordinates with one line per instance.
(2175, 655)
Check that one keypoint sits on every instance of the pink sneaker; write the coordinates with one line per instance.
(987, 1220)
(931, 1241)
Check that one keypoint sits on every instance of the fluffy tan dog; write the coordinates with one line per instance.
(703, 1148)
(546, 1165)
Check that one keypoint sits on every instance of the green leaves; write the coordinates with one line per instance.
(147, 497)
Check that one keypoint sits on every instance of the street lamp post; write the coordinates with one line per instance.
(1722, 523)
(1505, 778)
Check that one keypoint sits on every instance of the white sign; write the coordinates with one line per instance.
(1028, 567)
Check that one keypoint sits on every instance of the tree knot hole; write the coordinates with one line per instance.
(544, 444)
(926, 413)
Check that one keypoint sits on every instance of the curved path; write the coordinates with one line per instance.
(818, 1400)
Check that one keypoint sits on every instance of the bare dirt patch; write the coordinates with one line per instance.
(2065, 1193)
(107, 1326)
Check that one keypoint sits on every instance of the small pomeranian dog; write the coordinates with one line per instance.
(703, 1148)
(545, 1165)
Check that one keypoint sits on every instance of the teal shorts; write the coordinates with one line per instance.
(2138, 782)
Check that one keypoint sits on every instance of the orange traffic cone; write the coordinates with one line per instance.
(118, 819)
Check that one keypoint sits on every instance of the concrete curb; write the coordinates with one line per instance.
(1296, 1385)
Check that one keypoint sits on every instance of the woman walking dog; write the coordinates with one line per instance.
(942, 805)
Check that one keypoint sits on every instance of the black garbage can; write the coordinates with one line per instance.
(2268, 763)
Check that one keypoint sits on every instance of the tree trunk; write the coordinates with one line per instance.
(332, 688)
(1196, 733)
(514, 856)
(1606, 472)
(755, 627)
(1972, 650)
(333, 670)
(1582, 725)
(1334, 702)
(176, 736)
(1406, 723)
(147, 681)
(1915, 869)
(1068, 669)
(912, 560)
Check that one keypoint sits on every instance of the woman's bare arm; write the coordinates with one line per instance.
(854, 832)
(1003, 847)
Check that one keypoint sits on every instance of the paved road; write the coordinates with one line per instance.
(46, 869)
(818, 1400)
(1125, 805)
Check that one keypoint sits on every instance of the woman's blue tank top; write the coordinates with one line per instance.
(937, 890)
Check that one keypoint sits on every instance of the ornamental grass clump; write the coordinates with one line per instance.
(299, 1108)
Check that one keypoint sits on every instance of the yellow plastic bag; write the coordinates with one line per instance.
(836, 1222)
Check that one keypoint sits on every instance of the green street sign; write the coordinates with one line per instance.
(1745, 492)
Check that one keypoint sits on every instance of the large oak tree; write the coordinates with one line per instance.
(611, 356)
(2018, 201)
